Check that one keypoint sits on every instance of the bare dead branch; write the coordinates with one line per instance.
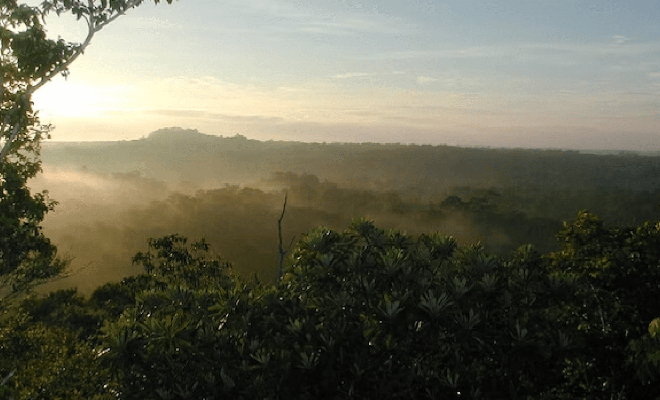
(282, 250)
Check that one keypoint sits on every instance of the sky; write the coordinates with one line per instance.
(531, 74)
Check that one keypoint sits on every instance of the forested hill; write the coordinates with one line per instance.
(175, 154)
(113, 196)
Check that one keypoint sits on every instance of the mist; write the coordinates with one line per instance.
(102, 221)
(114, 196)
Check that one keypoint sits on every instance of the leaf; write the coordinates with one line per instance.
(654, 328)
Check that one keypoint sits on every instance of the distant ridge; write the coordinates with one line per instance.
(177, 134)
(177, 154)
(192, 137)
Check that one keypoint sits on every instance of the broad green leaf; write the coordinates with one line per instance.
(654, 328)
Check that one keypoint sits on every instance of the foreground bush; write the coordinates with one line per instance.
(359, 314)
(372, 314)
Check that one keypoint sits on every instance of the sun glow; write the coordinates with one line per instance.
(74, 100)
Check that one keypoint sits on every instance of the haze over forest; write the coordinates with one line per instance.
(113, 196)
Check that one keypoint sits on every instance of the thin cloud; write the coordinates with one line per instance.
(353, 75)
(565, 92)
(304, 18)
(200, 114)
(344, 27)
(291, 89)
(522, 51)
(152, 23)
(618, 39)
(279, 9)
(423, 80)
(610, 50)
(349, 75)
(470, 52)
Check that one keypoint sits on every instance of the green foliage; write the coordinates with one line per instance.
(617, 272)
(47, 350)
(50, 363)
(29, 59)
(654, 328)
(363, 313)
(66, 309)
(27, 257)
(37, 360)
(178, 264)
(420, 313)
(368, 313)
(166, 339)
(25, 254)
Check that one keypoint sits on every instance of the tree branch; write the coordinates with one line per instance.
(92, 28)
(282, 250)
(10, 141)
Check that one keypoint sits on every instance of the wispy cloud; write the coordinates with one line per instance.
(354, 75)
(307, 18)
(618, 39)
(151, 23)
(277, 9)
(609, 50)
(566, 92)
(423, 80)
(200, 114)
(341, 27)
(524, 51)
(349, 75)
(468, 52)
(291, 89)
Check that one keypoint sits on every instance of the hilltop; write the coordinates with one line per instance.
(175, 154)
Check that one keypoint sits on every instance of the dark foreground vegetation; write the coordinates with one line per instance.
(364, 313)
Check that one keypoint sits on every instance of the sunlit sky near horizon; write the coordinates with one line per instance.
(543, 74)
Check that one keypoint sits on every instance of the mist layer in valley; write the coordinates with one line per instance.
(113, 196)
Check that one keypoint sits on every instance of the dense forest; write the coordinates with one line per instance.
(190, 266)
(230, 190)
(411, 272)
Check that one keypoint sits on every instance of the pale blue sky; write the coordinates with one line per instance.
(561, 74)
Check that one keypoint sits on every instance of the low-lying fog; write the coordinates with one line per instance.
(501, 198)
(101, 221)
